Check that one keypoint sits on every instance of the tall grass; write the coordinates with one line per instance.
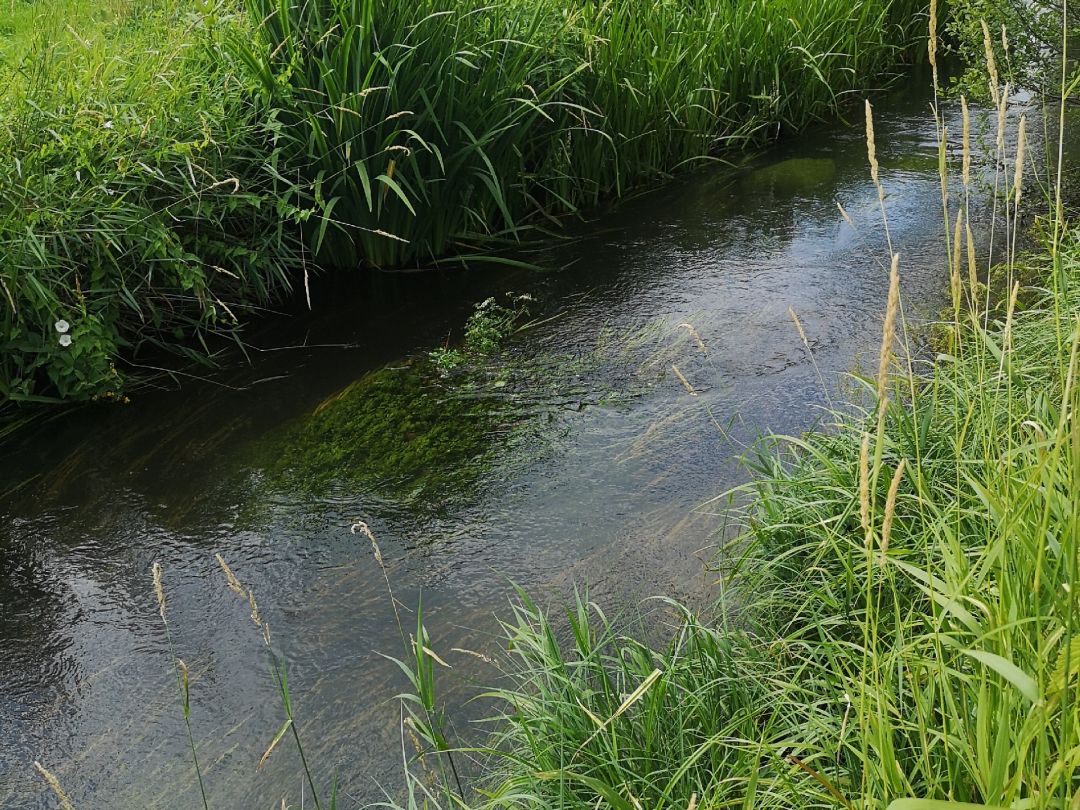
(136, 199)
(426, 128)
(906, 591)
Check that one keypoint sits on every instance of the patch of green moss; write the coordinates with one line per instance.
(428, 435)
(794, 176)
(405, 431)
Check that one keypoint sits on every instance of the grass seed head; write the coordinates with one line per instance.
(991, 62)
(871, 149)
(1021, 143)
(890, 505)
(955, 279)
(54, 786)
(931, 41)
(159, 591)
(230, 578)
(888, 332)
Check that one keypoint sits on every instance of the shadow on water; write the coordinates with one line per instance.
(576, 454)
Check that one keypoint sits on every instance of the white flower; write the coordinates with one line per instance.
(65, 340)
(107, 125)
(62, 326)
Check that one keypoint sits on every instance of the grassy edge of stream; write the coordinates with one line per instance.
(174, 165)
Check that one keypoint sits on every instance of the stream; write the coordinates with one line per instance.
(575, 456)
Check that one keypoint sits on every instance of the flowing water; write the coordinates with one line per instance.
(574, 456)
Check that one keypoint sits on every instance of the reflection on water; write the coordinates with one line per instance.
(576, 455)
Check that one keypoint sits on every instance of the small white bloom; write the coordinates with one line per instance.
(62, 326)
(65, 340)
(107, 125)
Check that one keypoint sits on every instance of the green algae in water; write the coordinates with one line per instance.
(794, 176)
(400, 431)
(421, 434)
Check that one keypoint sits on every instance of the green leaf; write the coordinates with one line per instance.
(1023, 682)
(937, 804)
(605, 791)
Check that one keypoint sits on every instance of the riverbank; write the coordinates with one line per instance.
(175, 166)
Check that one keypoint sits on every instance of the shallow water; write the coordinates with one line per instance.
(574, 457)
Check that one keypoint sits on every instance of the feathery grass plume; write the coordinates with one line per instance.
(888, 333)
(54, 786)
(682, 378)
(1021, 143)
(844, 214)
(159, 591)
(697, 338)
(966, 171)
(955, 279)
(255, 616)
(864, 489)
(362, 527)
(991, 63)
(931, 42)
(230, 577)
(1005, 39)
(871, 151)
(890, 505)
(798, 326)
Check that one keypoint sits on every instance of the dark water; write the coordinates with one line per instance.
(575, 456)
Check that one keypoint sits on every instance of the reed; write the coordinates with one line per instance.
(486, 122)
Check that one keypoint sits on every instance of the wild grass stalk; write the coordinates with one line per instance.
(182, 679)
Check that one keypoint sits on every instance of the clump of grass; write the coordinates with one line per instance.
(137, 208)
(426, 128)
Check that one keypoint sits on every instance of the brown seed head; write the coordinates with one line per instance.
(159, 591)
(991, 62)
(1021, 142)
(230, 577)
(955, 282)
(931, 42)
(890, 505)
(871, 149)
(54, 786)
(888, 333)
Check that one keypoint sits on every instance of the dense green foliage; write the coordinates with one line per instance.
(137, 201)
(426, 129)
(1022, 35)
(168, 160)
